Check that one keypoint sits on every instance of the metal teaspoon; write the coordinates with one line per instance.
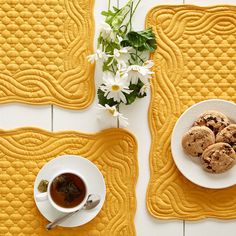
(92, 201)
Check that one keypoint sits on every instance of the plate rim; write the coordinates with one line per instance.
(172, 141)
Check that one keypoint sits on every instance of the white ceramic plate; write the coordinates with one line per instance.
(92, 176)
(185, 164)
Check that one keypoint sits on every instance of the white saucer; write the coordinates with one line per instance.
(93, 177)
(191, 170)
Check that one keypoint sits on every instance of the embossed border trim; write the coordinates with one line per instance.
(41, 145)
(158, 206)
(48, 90)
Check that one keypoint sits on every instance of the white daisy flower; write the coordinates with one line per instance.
(107, 32)
(108, 115)
(115, 86)
(144, 89)
(134, 73)
(122, 67)
(143, 72)
(119, 39)
(148, 64)
(98, 55)
(122, 55)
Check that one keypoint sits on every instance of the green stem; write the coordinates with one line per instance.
(109, 4)
(128, 3)
(136, 7)
(140, 58)
(113, 69)
(110, 71)
(131, 14)
(136, 56)
(118, 4)
(122, 32)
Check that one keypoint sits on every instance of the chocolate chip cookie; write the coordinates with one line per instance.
(197, 139)
(218, 158)
(228, 135)
(214, 120)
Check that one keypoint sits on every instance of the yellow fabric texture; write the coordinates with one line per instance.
(43, 50)
(24, 151)
(195, 60)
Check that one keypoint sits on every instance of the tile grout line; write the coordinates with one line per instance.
(52, 118)
(183, 227)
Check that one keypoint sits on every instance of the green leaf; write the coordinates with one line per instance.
(116, 16)
(115, 8)
(105, 66)
(100, 39)
(125, 43)
(103, 100)
(141, 96)
(131, 97)
(136, 39)
(105, 13)
(135, 93)
(140, 40)
(110, 46)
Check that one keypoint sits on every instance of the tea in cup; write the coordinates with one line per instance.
(67, 192)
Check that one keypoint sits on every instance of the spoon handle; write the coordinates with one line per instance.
(59, 220)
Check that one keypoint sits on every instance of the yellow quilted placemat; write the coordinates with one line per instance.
(24, 151)
(43, 50)
(195, 60)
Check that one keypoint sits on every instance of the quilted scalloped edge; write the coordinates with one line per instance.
(24, 151)
(34, 77)
(169, 194)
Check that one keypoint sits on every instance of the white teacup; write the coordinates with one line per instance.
(48, 196)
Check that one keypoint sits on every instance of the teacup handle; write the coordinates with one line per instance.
(41, 197)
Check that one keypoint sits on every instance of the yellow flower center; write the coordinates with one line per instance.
(115, 87)
(111, 111)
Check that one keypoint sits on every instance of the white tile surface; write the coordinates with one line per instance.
(146, 224)
(138, 118)
(210, 2)
(210, 227)
(18, 115)
(86, 121)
